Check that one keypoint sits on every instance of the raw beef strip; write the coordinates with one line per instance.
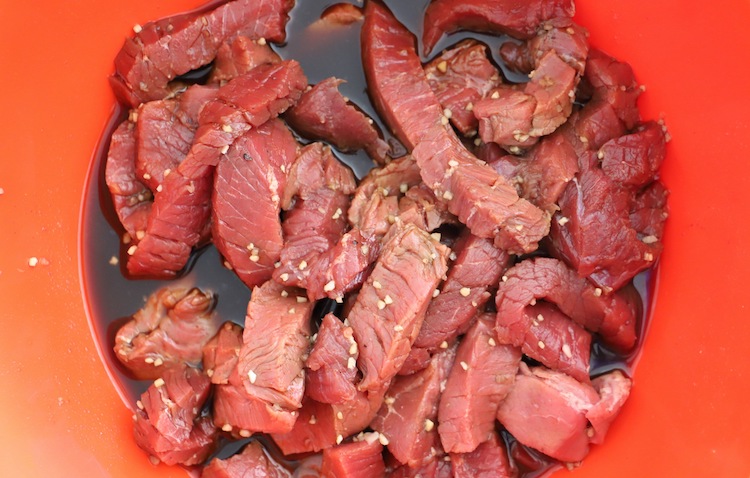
(238, 56)
(613, 389)
(488, 460)
(222, 352)
(169, 331)
(612, 315)
(460, 77)
(649, 212)
(420, 207)
(481, 377)
(567, 39)
(248, 186)
(475, 193)
(332, 364)
(391, 304)
(167, 48)
(360, 459)
(253, 461)
(324, 113)
(168, 424)
(634, 159)
(517, 18)
(613, 82)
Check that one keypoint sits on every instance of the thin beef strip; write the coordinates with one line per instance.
(168, 423)
(517, 18)
(248, 188)
(613, 82)
(169, 331)
(475, 193)
(460, 77)
(649, 212)
(482, 376)
(222, 352)
(253, 461)
(332, 364)
(566, 38)
(613, 315)
(633, 160)
(167, 48)
(488, 460)
(238, 56)
(420, 207)
(613, 389)
(360, 459)
(390, 307)
(324, 113)
(316, 198)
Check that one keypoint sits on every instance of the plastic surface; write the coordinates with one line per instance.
(59, 414)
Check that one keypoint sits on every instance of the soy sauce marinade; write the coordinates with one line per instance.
(323, 51)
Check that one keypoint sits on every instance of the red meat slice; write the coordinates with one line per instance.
(420, 207)
(460, 77)
(317, 196)
(238, 56)
(634, 159)
(222, 352)
(567, 39)
(324, 113)
(168, 424)
(649, 212)
(408, 418)
(167, 48)
(390, 307)
(253, 461)
(475, 193)
(436, 466)
(517, 18)
(248, 186)
(482, 376)
(169, 331)
(131, 198)
(360, 459)
(613, 82)
(613, 315)
(332, 364)
(613, 389)
(488, 460)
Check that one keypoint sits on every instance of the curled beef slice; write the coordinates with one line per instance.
(253, 461)
(477, 267)
(613, 82)
(475, 193)
(323, 113)
(131, 198)
(360, 459)
(634, 159)
(612, 315)
(517, 18)
(168, 424)
(459, 77)
(341, 14)
(169, 331)
(567, 39)
(407, 420)
(480, 379)
(222, 352)
(248, 187)
(316, 198)
(488, 460)
(420, 207)
(332, 364)
(238, 56)
(243, 103)
(613, 389)
(390, 307)
(167, 48)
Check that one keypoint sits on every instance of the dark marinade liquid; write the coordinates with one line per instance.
(323, 51)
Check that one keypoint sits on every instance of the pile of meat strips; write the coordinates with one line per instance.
(468, 278)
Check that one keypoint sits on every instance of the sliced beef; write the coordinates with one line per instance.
(649, 212)
(634, 159)
(613, 82)
(475, 193)
(167, 48)
(517, 18)
(324, 113)
(248, 187)
(332, 364)
(482, 376)
(477, 267)
(222, 352)
(435, 466)
(391, 304)
(238, 56)
(316, 198)
(612, 315)
(460, 77)
(169, 331)
(420, 207)
(253, 461)
(244, 103)
(168, 423)
(360, 459)
(488, 460)
(613, 389)
(409, 415)
(567, 39)
(131, 198)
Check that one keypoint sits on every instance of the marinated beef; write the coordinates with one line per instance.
(162, 50)
(168, 423)
(248, 186)
(222, 352)
(359, 459)
(613, 82)
(634, 159)
(613, 389)
(323, 113)
(567, 39)
(253, 461)
(332, 364)
(460, 77)
(169, 331)
(488, 460)
(649, 212)
(517, 18)
(481, 377)
(420, 207)
(238, 56)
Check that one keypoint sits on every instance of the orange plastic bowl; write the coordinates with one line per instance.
(60, 415)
